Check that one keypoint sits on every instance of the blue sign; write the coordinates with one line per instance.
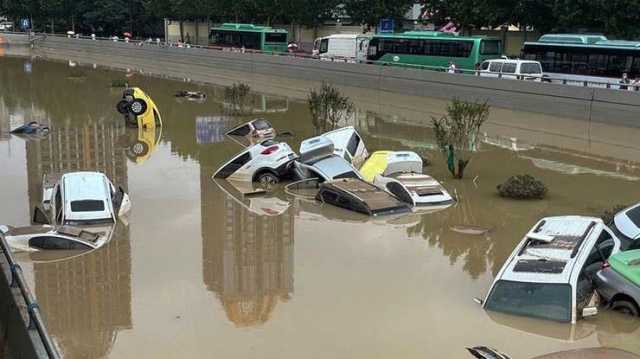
(28, 67)
(24, 24)
(386, 25)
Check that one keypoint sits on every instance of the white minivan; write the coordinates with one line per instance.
(512, 69)
(342, 47)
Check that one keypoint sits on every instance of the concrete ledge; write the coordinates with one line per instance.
(608, 106)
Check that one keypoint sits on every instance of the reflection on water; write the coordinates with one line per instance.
(397, 278)
(247, 255)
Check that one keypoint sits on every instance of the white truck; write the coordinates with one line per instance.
(342, 47)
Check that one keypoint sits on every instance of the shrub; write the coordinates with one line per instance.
(522, 187)
(328, 107)
(119, 83)
(457, 132)
(236, 97)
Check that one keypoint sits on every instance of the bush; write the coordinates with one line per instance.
(119, 83)
(522, 187)
(236, 98)
(328, 108)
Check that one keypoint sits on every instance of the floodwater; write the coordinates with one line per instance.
(197, 272)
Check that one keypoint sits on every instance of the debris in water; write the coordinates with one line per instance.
(470, 229)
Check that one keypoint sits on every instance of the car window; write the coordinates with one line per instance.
(541, 300)
(399, 191)
(495, 66)
(353, 144)
(234, 165)
(509, 68)
(52, 242)
(350, 174)
(530, 68)
(58, 205)
(485, 65)
(87, 205)
(324, 45)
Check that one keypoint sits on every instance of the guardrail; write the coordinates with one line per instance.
(159, 43)
(33, 311)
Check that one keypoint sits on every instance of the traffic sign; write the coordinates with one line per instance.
(386, 25)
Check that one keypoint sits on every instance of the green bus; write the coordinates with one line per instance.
(249, 36)
(433, 49)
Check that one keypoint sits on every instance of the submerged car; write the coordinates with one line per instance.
(348, 144)
(360, 196)
(549, 274)
(318, 160)
(139, 109)
(81, 198)
(482, 352)
(32, 128)
(626, 225)
(266, 162)
(258, 128)
(400, 173)
(38, 238)
(618, 282)
(254, 200)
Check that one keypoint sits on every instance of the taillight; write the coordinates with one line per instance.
(269, 150)
(605, 264)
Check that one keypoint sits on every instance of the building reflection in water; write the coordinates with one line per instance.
(247, 257)
(87, 299)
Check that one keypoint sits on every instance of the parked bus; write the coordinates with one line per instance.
(342, 47)
(584, 57)
(251, 37)
(433, 48)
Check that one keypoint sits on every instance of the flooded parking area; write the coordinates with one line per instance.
(198, 271)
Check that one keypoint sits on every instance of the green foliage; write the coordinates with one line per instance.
(237, 97)
(522, 187)
(119, 83)
(369, 12)
(457, 132)
(328, 108)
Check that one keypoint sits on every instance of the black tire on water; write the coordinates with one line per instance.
(123, 106)
(625, 307)
(138, 107)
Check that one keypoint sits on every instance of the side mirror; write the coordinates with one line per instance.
(39, 217)
(589, 312)
(478, 300)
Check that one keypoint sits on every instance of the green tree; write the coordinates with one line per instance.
(369, 12)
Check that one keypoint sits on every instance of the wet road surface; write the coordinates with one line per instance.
(199, 273)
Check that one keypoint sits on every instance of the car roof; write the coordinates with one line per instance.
(333, 165)
(628, 221)
(86, 186)
(550, 250)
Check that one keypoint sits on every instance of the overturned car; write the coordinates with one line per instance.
(138, 109)
(357, 195)
(318, 160)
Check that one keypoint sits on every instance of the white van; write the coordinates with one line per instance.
(512, 69)
(342, 47)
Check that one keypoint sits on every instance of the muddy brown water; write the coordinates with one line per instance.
(198, 273)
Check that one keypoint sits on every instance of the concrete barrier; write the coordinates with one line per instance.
(608, 106)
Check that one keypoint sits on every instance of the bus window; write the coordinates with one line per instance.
(491, 47)
(275, 37)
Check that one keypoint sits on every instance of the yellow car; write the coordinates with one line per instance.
(139, 109)
(141, 146)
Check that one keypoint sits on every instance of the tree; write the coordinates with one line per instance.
(328, 108)
(369, 12)
(457, 132)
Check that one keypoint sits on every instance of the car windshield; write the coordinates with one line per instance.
(87, 205)
(540, 300)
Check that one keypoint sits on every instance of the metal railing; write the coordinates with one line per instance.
(36, 321)
(544, 78)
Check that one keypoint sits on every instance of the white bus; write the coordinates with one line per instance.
(342, 47)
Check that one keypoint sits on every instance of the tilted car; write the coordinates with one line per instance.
(348, 144)
(400, 173)
(81, 198)
(139, 109)
(618, 282)
(266, 162)
(258, 128)
(39, 238)
(360, 196)
(318, 160)
(626, 225)
(549, 274)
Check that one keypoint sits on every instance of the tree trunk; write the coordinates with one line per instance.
(52, 26)
(181, 30)
(197, 34)
(462, 164)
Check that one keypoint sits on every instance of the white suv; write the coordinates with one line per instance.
(549, 274)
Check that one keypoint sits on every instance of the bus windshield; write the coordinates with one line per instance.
(540, 300)
(275, 38)
(491, 47)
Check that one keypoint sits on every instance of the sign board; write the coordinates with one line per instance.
(25, 24)
(386, 25)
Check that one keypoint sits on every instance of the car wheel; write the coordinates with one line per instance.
(625, 307)
(138, 107)
(123, 106)
(267, 180)
(140, 149)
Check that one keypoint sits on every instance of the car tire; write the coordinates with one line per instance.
(123, 106)
(140, 149)
(625, 307)
(267, 180)
(138, 107)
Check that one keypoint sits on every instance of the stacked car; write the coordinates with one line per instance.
(387, 182)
